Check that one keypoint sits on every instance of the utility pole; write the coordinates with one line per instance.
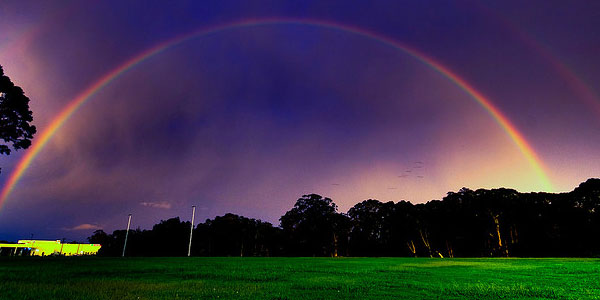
(192, 229)
(126, 234)
(62, 244)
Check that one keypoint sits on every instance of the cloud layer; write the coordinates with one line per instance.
(162, 205)
(85, 226)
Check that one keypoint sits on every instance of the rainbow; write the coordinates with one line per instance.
(585, 92)
(575, 83)
(88, 93)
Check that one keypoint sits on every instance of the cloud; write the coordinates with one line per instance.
(84, 226)
(163, 204)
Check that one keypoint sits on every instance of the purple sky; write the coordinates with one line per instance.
(249, 119)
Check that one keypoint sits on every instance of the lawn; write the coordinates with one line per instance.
(297, 278)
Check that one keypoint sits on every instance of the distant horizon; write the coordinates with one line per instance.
(93, 227)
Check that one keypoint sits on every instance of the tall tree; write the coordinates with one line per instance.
(311, 226)
(233, 235)
(15, 117)
(370, 235)
(170, 237)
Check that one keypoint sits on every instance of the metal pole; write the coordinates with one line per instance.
(126, 234)
(192, 230)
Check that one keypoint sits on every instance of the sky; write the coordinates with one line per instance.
(244, 106)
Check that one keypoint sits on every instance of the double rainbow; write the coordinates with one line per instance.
(88, 93)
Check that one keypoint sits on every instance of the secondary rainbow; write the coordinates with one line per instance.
(578, 85)
(88, 93)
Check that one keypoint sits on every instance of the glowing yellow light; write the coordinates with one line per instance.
(43, 248)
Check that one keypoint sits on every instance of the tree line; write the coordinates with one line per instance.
(468, 223)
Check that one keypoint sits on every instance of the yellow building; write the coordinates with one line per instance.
(44, 248)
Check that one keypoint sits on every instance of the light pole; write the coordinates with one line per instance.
(192, 229)
(126, 234)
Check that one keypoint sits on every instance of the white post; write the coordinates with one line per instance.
(192, 229)
(126, 234)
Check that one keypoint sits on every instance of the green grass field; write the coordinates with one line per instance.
(297, 278)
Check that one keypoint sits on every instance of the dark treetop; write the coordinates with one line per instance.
(15, 116)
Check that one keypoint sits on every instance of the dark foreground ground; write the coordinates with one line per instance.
(297, 278)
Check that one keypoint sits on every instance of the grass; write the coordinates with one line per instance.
(297, 278)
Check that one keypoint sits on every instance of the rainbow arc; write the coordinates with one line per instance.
(87, 94)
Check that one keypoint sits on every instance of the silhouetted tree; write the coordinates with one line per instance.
(311, 226)
(170, 238)
(371, 230)
(233, 235)
(15, 117)
(107, 242)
